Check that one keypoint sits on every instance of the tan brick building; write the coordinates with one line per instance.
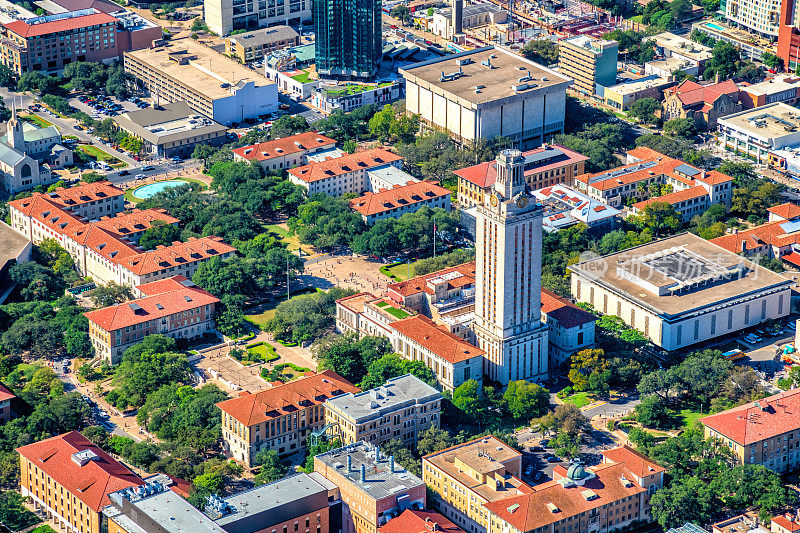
(69, 478)
(545, 166)
(465, 477)
(765, 432)
(603, 498)
(279, 418)
(399, 409)
(373, 488)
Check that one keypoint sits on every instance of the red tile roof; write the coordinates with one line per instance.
(567, 314)
(84, 193)
(674, 198)
(484, 174)
(50, 214)
(759, 420)
(90, 483)
(420, 283)
(770, 234)
(178, 254)
(426, 333)
(640, 465)
(793, 258)
(23, 29)
(788, 211)
(287, 398)
(790, 525)
(375, 203)
(310, 140)
(347, 163)
(417, 521)
(6, 394)
(691, 93)
(180, 298)
(125, 224)
(531, 511)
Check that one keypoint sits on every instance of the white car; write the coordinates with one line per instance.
(139, 176)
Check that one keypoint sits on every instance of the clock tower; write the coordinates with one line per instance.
(508, 246)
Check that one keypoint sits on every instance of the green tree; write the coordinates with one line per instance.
(543, 51)
(110, 294)
(652, 412)
(772, 61)
(203, 151)
(661, 218)
(684, 500)
(159, 234)
(401, 13)
(391, 366)
(526, 400)
(467, 399)
(351, 357)
(271, 467)
(682, 127)
(434, 439)
(644, 109)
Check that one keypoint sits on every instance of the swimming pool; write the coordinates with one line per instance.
(714, 26)
(146, 191)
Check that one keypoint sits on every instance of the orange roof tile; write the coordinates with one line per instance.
(6, 394)
(790, 525)
(399, 196)
(355, 302)
(770, 233)
(446, 345)
(788, 211)
(178, 254)
(639, 464)
(484, 174)
(84, 193)
(90, 483)
(347, 163)
(125, 224)
(23, 29)
(759, 420)
(567, 314)
(419, 521)
(531, 511)
(267, 404)
(420, 283)
(674, 197)
(177, 299)
(310, 140)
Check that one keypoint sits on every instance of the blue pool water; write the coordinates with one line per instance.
(146, 191)
(714, 26)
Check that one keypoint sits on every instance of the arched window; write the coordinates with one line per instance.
(652, 488)
(26, 171)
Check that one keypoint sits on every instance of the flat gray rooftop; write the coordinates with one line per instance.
(694, 259)
(379, 482)
(12, 244)
(170, 511)
(396, 392)
(172, 122)
(270, 498)
(263, 36)
(493, 82)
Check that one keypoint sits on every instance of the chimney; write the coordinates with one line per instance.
(391, 463)
(349, 463)
(457, 16)
(363, 472)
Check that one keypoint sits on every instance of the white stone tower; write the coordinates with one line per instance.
(509, 277)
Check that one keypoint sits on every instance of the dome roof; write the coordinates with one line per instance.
(576, 472)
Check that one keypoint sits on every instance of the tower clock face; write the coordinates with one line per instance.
(493, 199)
(522, 201)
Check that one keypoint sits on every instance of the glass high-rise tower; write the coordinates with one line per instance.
(348, 37)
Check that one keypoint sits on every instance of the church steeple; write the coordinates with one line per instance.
(15, 137)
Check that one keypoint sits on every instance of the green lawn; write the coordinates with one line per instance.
(302, 77)
(688, 417)
(401, 272)
(579, 399)
(290, 239)
(265, 352)
(394, 311)
(36, 119)
(261, 319)
(100, 155)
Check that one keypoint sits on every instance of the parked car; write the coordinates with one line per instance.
(553, 459)
(538, 476)
(148, 168)
(123, 172)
